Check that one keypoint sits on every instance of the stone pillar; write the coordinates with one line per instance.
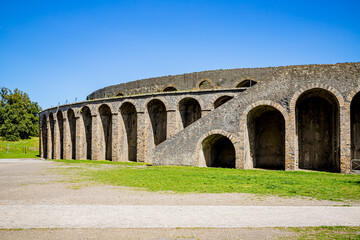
(80, 132)
(49, 139)
(56, 139)
(115, 130)
(345, 138)
(95, 140)
(171, 124)
(141, 139)
(41, 150)
(290, 136)
(67, 140)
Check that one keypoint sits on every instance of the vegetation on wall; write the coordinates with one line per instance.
(19, 116)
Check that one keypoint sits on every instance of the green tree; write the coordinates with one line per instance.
(19, 116)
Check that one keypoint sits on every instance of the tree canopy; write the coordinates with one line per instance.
(19, 116)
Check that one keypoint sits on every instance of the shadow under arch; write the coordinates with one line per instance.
(129, 116)
(266, 128)
(318, 129)
(218, 151)
(190, 111)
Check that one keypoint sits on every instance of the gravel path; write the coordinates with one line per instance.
(127, 216)
(33, 195)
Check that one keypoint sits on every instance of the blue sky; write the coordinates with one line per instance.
(62, 50)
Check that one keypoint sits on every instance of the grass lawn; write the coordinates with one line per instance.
(325, 233)
(17, 148)
(320, 185)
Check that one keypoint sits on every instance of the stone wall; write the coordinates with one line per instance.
(298, 117)
(217, 79)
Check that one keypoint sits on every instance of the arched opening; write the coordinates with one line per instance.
(246, 83)
(106, 132)
(218, 151)
(52, 130)
(205, 84)
(355, 126)
(72, 128)
(317, 115)
(129, 116)
(158, 118)
(266, 128)
(120, 94)
(60, 121)
(221, 100)
(44, 137)
(169, 89)
(87, 124)
(190, 111)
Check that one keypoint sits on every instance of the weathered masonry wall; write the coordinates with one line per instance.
(124, 128)
(298, 117)
(217, 79)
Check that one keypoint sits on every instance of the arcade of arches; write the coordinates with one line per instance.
(317, 132)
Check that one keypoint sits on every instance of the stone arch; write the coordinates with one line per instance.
(246, 82)
(317, 118)
(246, 160)
(44, 137)
(170, 88)
(86, 131)
(146, 103)
(266, 137)
(72, 128)
(355, 126)
(129, 116)
(105, 137)
(221, 100)
(214, 144)
(158, 119)
(205, 83)
(52, 135)
(120, 94)
(60, 122)
(190, 110)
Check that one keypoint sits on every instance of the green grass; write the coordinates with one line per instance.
(16, 148)
(320, 185)
(324, 232)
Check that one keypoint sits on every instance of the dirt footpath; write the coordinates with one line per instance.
(26, 185)
(30, 182)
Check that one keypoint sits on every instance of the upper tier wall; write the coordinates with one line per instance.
(217, 78)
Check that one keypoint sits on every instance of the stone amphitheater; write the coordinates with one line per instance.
(289, 118)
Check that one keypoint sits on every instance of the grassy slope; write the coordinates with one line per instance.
(320, 185)
(16, 149)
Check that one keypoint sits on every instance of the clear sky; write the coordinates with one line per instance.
(62, 50)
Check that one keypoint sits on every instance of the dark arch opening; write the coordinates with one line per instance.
(119, 94)
(218, 151)
(157, 114)
(52, 130)
(266, 127)
(72, 126)
(60, 121)
(317, 114)
(221, 100)
(129, 115)
(106, 120)
(205, 84)
(44, 136)
(169, 89)
(87, 123)
(355, 126)
(190, 111)
(246, 83)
